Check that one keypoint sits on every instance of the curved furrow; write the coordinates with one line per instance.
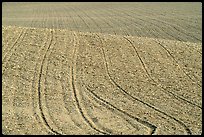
(20, 74)
(122, 27)
(146, 21)
(195, 50)
(40, 90)
(136, 23)
(173, 28)
(177, 63)
(75, 120)
(142, 102)
(105, 21)
(182, 58)
(76, 24)
(12, 49)
(91, 19)
(76, 94)
(176, 28)
(150, 126)
(81, 17)
(45, 83)
(34, 85)
(169, 92)
(35, 102)
(22, 33)
(83, 21)
(7, 41)
(67, 97)
(128, 27)
(107, 104)
(14, 45)
(188, 131)
(142, 10)
(171, 25)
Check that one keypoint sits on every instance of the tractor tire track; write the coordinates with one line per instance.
(39, 89)
(65, 87)
(22, 33)
(195, 49)
(188, 131)
(73, 79)
(14, 46)
(153, 128)
(107, 104)
(167, 91)
(34, 83)
(165, 49)
(45, 82)
(70, 106)
(6, 45)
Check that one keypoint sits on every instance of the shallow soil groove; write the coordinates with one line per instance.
(101, 68)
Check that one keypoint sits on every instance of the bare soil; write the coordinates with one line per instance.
(64, 74)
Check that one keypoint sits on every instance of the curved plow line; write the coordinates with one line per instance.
(7, 37)
(195, 49)
(13, 45)
(171, 25)
(126, 93)
(75, 91)
(63, 85)
(112, 107)
(12, 49)
(152, 127)
(74, 21)
(104, 20)
(91, 20)
(177, 63)
(39, 90)
(107, 104)
(46, 81)
(143, 64)
(123, 27)
(34, 81)
(136, 23)
(157, 26)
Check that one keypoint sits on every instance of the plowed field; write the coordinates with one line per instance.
(101, 68)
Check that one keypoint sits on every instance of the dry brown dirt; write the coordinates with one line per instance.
(64, 80)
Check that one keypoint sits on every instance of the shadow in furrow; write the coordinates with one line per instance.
(151, 126)
(143, 64)
(134, 98)
(75, 94)
(176, 62)
(39, 90)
